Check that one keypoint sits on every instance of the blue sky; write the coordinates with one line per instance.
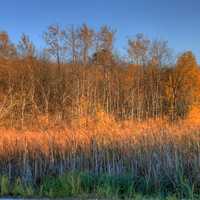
(177, 21)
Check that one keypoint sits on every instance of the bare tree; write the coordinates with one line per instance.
(105, 39)
(54, 38)
(72, 42)
(86, 35)
(26, 48)
(7, 49)
(104, 46)
(160, 53)
(138, 49)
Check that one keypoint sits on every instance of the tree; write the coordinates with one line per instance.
(160, 53)
(72, 42)
(7, 49)
(54, 38)
(26, 49)
(104, 46)
(86, 36)
(103, 57)
(138, 53)
(138, 49)
(182, 86)
(189, 76)
(105, 39)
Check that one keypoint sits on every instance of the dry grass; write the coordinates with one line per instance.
(159, 153)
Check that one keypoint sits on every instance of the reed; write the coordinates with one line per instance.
(157, 155)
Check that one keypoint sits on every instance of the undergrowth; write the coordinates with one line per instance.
(86, 185)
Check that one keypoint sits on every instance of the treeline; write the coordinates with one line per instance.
(79, 72)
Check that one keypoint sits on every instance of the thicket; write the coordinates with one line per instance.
(78, 73)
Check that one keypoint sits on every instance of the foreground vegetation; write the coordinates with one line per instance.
(86, 185)
(105, 158)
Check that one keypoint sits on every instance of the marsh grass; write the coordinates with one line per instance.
(110, 158)
(85, 185)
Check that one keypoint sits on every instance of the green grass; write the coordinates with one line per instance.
(85, 185)
(4, 186)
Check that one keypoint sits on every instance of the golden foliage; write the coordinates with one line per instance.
(194, 115)
(104, 146)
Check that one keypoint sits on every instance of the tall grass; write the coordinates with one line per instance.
(155, 156)
(80, 185)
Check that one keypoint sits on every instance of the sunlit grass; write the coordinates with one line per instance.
(157, 156)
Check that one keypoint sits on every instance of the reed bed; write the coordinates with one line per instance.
(155, 154)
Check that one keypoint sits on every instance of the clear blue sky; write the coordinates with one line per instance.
(177, 21)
